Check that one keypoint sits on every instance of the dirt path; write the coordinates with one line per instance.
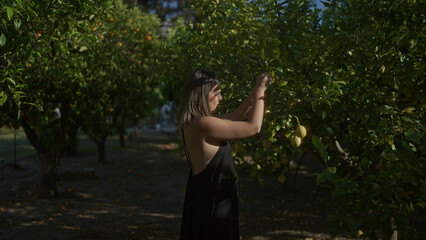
(139, 195)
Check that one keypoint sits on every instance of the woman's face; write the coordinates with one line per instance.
(215, 96)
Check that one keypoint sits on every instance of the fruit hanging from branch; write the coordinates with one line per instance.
(296, 141)
(301, 131)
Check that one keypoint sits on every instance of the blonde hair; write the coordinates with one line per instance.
(194, 101)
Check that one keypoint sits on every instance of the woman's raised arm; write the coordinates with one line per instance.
(219, 128)
(240, 113)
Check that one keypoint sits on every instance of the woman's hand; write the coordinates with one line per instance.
(263, 81)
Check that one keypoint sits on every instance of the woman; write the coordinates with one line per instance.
(211, 202)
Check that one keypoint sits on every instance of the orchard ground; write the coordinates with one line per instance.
(139, 192)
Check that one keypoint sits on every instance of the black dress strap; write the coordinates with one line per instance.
(188, 159)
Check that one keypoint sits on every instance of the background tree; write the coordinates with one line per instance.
(124, 81)
(79, 67)
(53, 78)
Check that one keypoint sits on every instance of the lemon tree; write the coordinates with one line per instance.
(352, 75)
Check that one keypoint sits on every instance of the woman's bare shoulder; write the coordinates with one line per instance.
(206, 120)
(205, 123)
(224, 129)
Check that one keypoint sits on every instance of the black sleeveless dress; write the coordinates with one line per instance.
(211, 201)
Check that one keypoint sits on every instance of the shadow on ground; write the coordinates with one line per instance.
(139, 194)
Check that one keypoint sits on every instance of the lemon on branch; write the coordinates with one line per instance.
(296, 141)
(301, 131)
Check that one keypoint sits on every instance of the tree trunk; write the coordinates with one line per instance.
(71, 146)
(122, 131)
(47, 185)
(136, 133)
(48, 158)
(100, 146)
(122, 138)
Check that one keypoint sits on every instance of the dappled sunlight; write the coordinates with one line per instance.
(30, 208)
(167, 216)
(70, 227)
(290, 234)
(294, 234)
(18, 209)
(159, 146)
(100, 211)
(33, 223)
(133, 227)
(89, 216)
(85, 195)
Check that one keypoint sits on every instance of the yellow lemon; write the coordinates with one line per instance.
(296, 141)
(359, 233)
(301, 131)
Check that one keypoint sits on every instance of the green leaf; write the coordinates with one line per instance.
(388, 156)
(413, 42)
(384, 109)
(320, 146)
(408, 110)
(407, 119)
(17, 23)
(9, 12)
(411, 207)
(2, 40)
(278, 127)
(32, 13)
(11, 81)
(411, 135)
(3, 98)
(323, 177)
(349, 187)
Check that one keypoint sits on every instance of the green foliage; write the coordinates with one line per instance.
(353, 74)
(15, 37)
(55, 59)
(381, 120)
(85, 58)
(54, 72)
(123, 87)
